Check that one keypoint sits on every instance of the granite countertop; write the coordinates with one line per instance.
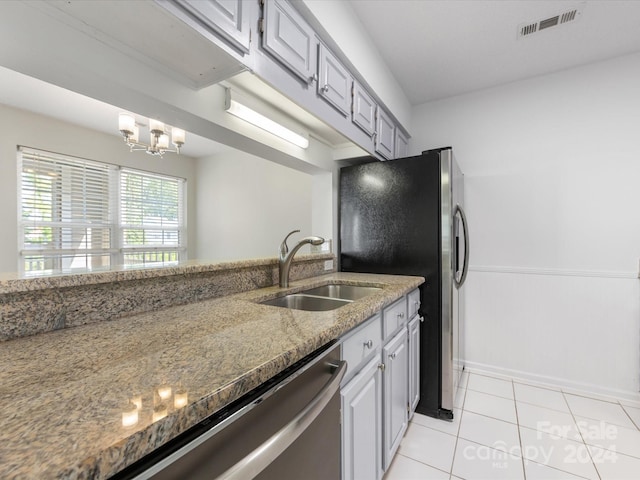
(12, 282)
(63, 393)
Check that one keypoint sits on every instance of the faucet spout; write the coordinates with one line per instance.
(285, 256)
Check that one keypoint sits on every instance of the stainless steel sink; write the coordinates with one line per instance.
(305, 302)
(342, 291)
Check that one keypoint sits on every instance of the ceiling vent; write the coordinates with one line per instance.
(567, 16)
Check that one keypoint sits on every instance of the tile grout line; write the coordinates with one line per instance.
(486, 393)
(559, 470)
(580, 432)
(417, 461)
(515, 405)
(455, 446)
(627, 414)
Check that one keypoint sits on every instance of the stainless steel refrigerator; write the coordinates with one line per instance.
(407, 217)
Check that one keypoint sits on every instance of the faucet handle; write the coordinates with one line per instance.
(283, 246)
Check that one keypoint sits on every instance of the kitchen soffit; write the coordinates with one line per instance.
(150, 34)
(159, 42)
(249, 83)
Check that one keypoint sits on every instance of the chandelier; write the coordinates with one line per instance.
(159, 140)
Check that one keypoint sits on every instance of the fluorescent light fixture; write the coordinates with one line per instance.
(234, 107)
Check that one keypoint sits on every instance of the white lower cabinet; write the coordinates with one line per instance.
(380, 389)
(414, 363)
(395, 403)
(362, 424)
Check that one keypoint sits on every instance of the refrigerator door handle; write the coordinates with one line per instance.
(465, 265)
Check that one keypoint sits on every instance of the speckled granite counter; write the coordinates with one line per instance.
(62, 393)
(39, 304)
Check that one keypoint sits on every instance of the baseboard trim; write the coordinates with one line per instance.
(552, 271)
(567, 386)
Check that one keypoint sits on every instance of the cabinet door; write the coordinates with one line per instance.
(363, 109)
(289, 38)
(228, 18)
(362, 425)
(395, 391)
(414, 364)
(385, 135)
(334, 82)
(401, 145)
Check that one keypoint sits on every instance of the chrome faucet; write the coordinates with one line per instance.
(285, 257)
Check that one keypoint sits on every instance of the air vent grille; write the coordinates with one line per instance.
(568, 16)
(549, 22)
(529, 28)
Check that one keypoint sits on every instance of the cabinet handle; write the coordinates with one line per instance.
(325, 89)
(392, 356)
(381, 366)
(313, 78)
(368, 344)
(401, 315)
(417, 305)
(422, 319)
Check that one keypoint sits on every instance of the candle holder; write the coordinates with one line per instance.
(180, 398)
(159, 412)
(130, 415)
(164, 392)
(137, 400)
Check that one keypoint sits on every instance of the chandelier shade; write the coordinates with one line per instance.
(158, 137)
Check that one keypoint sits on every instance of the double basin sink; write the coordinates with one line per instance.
(322, 299)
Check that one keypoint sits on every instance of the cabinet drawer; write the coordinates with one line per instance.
(359, 345)
(413, 302)
(394, 316)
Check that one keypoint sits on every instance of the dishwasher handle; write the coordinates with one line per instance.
(261, 457)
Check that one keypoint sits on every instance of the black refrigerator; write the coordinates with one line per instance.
(406, 217)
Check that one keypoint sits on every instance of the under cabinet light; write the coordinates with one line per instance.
(234, 107)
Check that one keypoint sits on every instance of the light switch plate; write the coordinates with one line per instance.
(324, 247)
(328, 265)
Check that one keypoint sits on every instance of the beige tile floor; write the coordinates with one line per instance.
(505, 429)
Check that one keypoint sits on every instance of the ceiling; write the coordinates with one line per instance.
(435, 48)
(442, 48)
(31, 94)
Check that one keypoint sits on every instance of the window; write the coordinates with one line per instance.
(80, 214)
(151, 218)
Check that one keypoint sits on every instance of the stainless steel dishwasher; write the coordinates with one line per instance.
(289, 428)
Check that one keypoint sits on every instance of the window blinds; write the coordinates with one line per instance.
(152, 222)
(65, 216)
(79, 214)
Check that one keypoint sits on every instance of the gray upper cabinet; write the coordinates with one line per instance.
(334, 82)
(402, 144)
(363, 109)
(289, 38)
(228, 18)
(385, 135)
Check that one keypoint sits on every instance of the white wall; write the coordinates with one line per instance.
(247, 206)
(552, 172)
(20, 127)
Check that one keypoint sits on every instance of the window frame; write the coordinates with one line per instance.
(116, 250)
